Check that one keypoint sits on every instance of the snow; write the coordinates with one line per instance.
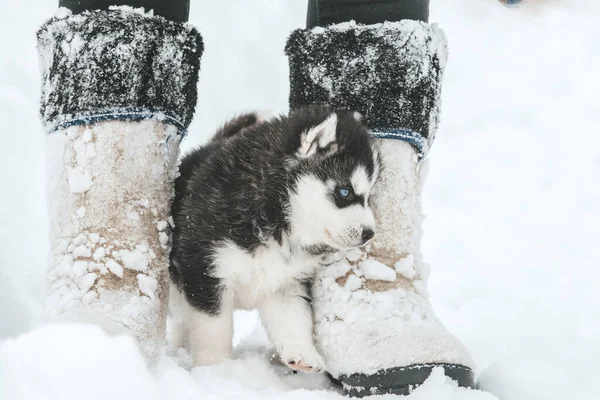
(80, 267)
(87, 281)
(80, 239)
(79, 182)
(147, 285)
(81, 251)
(353, 283)
(99, 254)
(421, 288)
(114, 267)
(110, 376)
(138, 10)
(163, 238)
(134, 259)
(62, 12)
(438, 386)
(354, 255)
(405, 267)
(373, 269)
(512, 205)
(161, 225)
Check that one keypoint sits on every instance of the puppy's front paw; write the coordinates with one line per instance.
(302, 358)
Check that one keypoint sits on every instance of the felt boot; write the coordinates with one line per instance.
(374, 323)
(119, 90)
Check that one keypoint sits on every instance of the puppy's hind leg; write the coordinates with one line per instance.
(177, 324)
(211, 335)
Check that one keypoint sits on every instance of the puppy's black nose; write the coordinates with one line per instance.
(367, 235)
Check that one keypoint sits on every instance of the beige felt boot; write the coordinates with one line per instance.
(373, 320)
(119, 89)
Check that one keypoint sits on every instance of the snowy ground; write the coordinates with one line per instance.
(512, 199)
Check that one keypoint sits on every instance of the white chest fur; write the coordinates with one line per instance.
(254, 277)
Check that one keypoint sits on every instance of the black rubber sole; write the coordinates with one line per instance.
(401, 380)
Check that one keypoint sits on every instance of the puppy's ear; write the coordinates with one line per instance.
(318, 137)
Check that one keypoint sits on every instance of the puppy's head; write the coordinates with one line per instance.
(334, 166)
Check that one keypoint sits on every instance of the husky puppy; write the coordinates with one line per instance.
(257, 211)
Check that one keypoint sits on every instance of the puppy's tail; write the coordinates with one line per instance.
(235, 126)
(239, 124)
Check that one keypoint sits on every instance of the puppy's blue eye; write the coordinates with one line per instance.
(344, 192)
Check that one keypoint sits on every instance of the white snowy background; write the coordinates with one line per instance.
(513, 205)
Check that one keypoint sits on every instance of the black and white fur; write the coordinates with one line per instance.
(257, 211)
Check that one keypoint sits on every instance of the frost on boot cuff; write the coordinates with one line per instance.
(390, 72)
(117, 64)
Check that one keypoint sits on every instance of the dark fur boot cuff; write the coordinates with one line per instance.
(390, 72)
(117, 64)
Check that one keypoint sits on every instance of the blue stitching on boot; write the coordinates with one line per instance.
(126, 115)
(415, 139)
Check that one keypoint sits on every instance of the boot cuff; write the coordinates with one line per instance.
(117, 64)
(390, 72)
